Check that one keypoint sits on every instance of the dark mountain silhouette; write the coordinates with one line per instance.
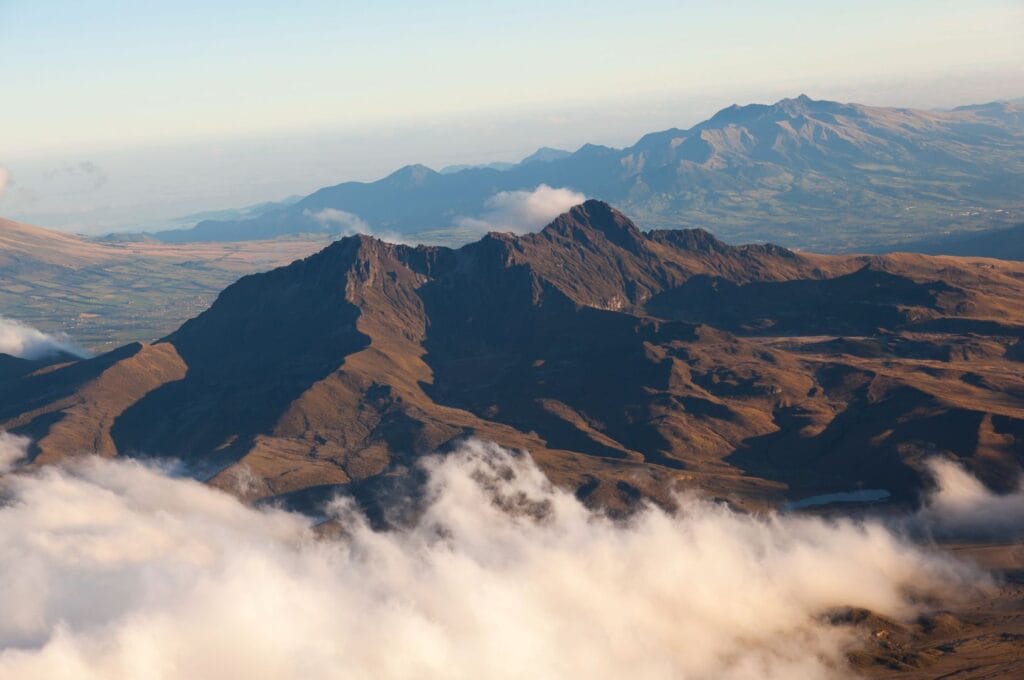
(813, 174)
(627, 362)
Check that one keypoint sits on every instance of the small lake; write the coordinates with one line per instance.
(858, 496)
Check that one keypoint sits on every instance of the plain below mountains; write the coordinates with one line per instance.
(817, 175)
(628, 362)
(105, 293)
(1004, 244)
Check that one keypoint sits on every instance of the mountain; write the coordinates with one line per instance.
(628, 362)
(1005, 244)
(545, 154)
(801, 172)
(101, 292)
(26, 245)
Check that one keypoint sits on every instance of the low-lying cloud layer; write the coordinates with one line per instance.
(962, 506)
(521, 212)
(114, 570)
(26, 342)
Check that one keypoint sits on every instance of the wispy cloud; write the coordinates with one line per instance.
(347, 224)
(24, 341)
(90, 175)
(520, 212)
(962, 506)
(113, 569)
(345, 221)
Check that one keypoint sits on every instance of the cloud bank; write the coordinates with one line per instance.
(26, 342)
(114, 570)
(962, 506)
(521, 212)
(13, 450)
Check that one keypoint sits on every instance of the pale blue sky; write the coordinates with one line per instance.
(197, 89)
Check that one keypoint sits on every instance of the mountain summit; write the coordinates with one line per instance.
(627, 362)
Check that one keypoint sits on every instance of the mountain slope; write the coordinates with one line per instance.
(23, 244)
(813, 174)
(627, 362)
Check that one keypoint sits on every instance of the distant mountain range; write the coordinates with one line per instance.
(542, 155)
(626, 361)
(800, 172)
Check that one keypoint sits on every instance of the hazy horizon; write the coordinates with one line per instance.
(132, 116)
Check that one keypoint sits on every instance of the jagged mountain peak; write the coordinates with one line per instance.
(592, 253)
(597, 216)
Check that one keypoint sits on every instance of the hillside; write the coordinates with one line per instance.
(818, 175)
(627, 362)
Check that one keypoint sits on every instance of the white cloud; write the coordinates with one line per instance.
(962, 506)
(114, 570)
(520, 212)
(13, 450)
(349, 224)
(5, 179)
(22, 340)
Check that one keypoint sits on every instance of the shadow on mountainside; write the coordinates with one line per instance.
(264, 341)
